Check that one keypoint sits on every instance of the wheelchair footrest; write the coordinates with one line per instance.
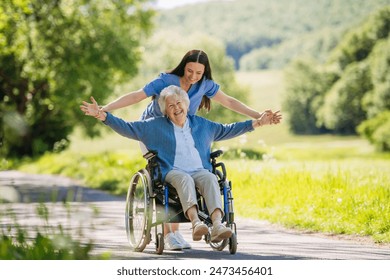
(205, 218)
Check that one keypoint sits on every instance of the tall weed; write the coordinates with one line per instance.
(40, 242)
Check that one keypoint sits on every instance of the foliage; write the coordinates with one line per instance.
(245, 153)
(358, 43)
(48, 244)
(359, 84)
(41, 248)
(378, 99)
(377, 130)
(342, 110)
(53, 55)
(305, 88)
(317, 44)
(261, 33)
(107, 171)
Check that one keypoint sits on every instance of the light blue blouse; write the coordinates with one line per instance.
(187, 157)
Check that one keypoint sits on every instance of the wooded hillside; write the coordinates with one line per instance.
(261, 34)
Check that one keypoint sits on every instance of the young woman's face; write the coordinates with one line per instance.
(193, 72)
(176, 110)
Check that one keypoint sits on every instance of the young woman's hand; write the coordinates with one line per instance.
(267, 118)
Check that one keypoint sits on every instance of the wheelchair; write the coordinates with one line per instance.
(150, 203)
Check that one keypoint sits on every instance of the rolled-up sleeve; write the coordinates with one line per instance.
(210, 88)
(162, 81)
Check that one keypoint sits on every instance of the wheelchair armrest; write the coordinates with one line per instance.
(150, 154)
(216, 154)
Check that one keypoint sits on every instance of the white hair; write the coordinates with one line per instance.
(170, 91)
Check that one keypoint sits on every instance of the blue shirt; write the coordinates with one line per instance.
(158, 135)
(204, 87)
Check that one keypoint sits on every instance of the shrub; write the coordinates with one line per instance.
(377, 131)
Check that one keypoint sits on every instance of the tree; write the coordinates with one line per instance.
(56, 53)
(356, 88)
(377, 130)
(306, 87)
(360, 41)
(377, 102)
(342, 110)
(378, 99)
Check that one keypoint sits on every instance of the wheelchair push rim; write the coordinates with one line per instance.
(138, 213)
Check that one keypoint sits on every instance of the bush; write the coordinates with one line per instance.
(377, 131)
(49, 243)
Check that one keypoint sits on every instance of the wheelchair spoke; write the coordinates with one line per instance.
(138, 212)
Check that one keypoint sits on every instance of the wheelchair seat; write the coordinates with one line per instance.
(151, 202)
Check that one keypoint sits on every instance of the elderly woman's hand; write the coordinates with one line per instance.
(93, 109)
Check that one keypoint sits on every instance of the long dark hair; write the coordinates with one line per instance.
(201, 57)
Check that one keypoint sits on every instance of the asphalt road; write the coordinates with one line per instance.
(98, 217)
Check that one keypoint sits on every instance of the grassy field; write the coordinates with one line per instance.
(332, 184)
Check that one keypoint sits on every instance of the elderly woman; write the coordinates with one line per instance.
(183, 143)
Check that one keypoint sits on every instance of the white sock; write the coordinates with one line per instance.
(194, 222)
(216, 222)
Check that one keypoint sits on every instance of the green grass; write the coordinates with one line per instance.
(340, 196)
(105, 171)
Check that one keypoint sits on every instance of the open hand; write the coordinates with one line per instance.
(267, 118)
(90, 109)
(276, 117)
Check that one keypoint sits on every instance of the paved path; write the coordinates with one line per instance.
(97, 216)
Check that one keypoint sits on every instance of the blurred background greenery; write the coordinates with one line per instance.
(329, 61)
(325, 64)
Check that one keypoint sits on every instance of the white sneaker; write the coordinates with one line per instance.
(180, 238)
(171, 242)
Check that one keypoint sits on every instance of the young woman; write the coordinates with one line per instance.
(193, 74)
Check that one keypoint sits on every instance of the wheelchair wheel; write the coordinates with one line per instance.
(138, 215)
(219, 246)
(233, 244)
(159, 243)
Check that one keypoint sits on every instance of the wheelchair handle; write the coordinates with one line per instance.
(216, 154)
(220, 164)
(153, 167)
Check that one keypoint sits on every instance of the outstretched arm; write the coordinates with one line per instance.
(236, 105)
(132, 130)
(123, 101)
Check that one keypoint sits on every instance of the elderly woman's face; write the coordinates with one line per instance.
(176, 110)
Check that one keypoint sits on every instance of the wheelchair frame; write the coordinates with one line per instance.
(150, 203)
